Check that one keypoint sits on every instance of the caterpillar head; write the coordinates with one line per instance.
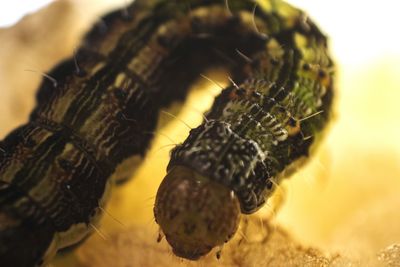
(195, 213)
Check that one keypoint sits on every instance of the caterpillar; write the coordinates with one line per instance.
(90, 127)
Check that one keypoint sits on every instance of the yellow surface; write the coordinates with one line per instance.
(346, 200)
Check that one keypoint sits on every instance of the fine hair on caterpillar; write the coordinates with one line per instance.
(97, 111)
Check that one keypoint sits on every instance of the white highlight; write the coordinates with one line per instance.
(13, 11)
(359, 30)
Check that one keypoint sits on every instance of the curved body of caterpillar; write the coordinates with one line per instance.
(91, 127)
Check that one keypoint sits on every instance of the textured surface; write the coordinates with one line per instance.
(270, 247)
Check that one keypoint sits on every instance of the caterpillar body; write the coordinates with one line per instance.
(91, 127)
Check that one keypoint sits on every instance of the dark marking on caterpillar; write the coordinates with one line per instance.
(91, 127)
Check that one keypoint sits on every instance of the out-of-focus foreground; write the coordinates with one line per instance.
(344, 204)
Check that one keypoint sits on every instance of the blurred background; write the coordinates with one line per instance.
(345, 201)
